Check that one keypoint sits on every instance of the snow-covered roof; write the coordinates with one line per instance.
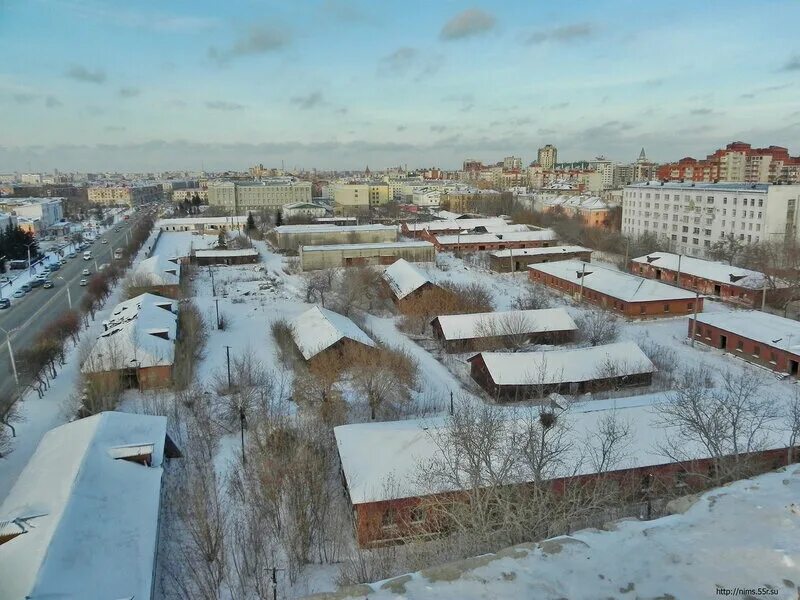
(367, 246)
(765, 328)
(539, 251)
(182, 221)
(626, 287)
(572, 201)
(318, 329)
(383, 460)
(159, 270)
(226, 253)
(403, 278)
(491, 238)
(129, 309)
(298, 205)
(701, 185)
(90, 521)
(745, 531)
(566, 366)
(706, 269)
(465, 224)
(479, 325)
(147, 339)
(317, 228)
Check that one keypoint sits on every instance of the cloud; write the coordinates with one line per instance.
(466, 24)
(438, 128)
(52, 102)
(793, 64)
(313, 100)
(343, 11)
(341, 111)
(114, 128)
(765, 90)
(562, 34)
(129, 92)
(23, 97)
(81, 73)
(409, 61)
(259, 39)
(558, 105)
(222, 105)
(700, 112)
(401, 128)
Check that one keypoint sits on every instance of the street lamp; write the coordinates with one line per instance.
(69, 294)
(11, 353)
(30, 271)
(2, 272)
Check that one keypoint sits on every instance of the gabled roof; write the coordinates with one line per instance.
(617, 284)
(705, 269)
(403, 278)
(297, 205)
(492, 238)
(146, 340)
(129, 309)
(90, 521)
(160, 270)
(537, 251)
(479, 325)
(316, 228)
(465, 224)
(566, 366)
(765, 328)
(318, 329)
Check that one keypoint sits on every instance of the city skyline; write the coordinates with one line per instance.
(335, 84)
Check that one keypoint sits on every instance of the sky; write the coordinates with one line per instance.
(99, 85)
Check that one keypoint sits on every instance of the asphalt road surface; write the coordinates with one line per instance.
(29, 315)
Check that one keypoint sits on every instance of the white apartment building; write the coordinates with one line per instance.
(260, 195)
(692, 216)
(48, 211)
(606, 169)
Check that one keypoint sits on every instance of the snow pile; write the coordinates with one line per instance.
(744, 535)
(159, 270)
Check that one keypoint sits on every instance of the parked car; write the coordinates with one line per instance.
(47, 285)
(25, 287)
(5, 279)
(5, 303)
(35, 282)
(19, 294)
(83, 282)
(104, 241)
(72, 254)
(86, 272)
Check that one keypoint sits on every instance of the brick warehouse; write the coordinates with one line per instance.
(381, 463)
(501, 240)
(732, 284)
(507, 261)
(627, 294)
(757, 337)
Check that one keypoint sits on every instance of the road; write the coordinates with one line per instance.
(29, 315)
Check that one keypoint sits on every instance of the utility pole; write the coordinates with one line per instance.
(211, 274)
(694, 320)
(2, 272)
(69, 294)
(451, 403)
(228, 355)
(30, 269)
(678, 280)
(241, 427)
(11, 354)
(216, 302)
(583, 274)
(511, 257)
(764, 294)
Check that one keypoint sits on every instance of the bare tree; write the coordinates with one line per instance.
(793, 421)
(534, 297)
(384, 376)
(319, 284)
(609, 445)
(512, 330)
(597, 327)
(725, 420)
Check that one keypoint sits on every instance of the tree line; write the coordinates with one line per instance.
(14, 243)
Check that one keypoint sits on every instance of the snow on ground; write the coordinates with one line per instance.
(745, 535)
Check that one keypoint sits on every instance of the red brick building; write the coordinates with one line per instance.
(502, 240)
(381, 466)
(505, 261)
(757, 337)
(732, 284)
(620, 292)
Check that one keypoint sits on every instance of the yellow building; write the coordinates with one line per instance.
(357, 198)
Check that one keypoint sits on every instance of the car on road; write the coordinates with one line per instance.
(83, 282)
(19, 294)
(35, 282)
(87, 255)
(104, 241)
(47, 285)
(25, 287)
(86, 272)
(72, 254)
(5, 303)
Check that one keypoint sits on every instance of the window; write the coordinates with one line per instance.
(684, 238)
(641, 309)
(695, 241)
(666, 308)
(739, 345)
(389, 518)
(760, 202)
(773, 358)
(756, 351)
(690, 306)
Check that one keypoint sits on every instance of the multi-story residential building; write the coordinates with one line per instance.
(605, 167)
(357, 198)
(182, 194)
(737, 162)
(132, 194)
(547, 157)
(47, 211)
(7, 220)
(31, 178)
(641, 170)
(271, 194)
(692, 216)
(512, 163)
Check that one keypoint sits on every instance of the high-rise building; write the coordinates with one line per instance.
(269, 194)
(692, 216)
(737, 162)
(512, 163)
(547, 157)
